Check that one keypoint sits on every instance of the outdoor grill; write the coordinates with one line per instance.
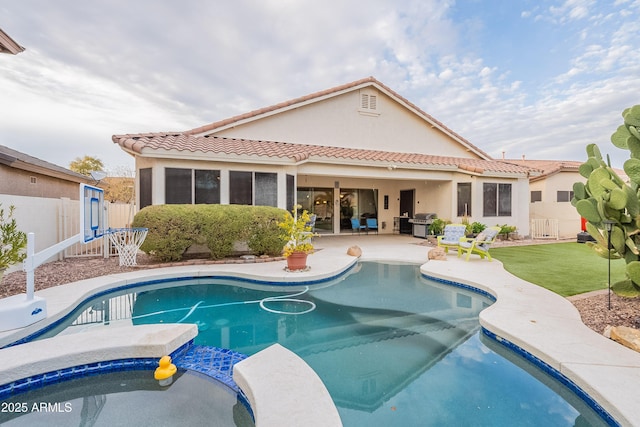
(421, 223)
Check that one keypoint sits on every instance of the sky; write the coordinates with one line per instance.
(534, 78)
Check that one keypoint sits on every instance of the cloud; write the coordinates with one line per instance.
(113, 66)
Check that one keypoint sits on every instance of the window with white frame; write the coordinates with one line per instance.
(464, 199)
(564, 196)
(253, 188)
(536, 196)
(496, 199)
(188, 186)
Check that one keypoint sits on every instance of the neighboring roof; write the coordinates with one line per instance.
(18, 160)
(546, 168)
(180, 144)
(8, 45)
(329, 93)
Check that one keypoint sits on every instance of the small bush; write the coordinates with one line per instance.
(174, 228)
(477, 227)
(506, 229)
(437, 226)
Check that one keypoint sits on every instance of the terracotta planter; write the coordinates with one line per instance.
(297, 261)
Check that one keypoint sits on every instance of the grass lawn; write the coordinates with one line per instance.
(564, 268)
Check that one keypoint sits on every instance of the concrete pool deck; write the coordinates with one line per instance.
(538, 321)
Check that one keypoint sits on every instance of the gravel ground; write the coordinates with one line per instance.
(593, 307)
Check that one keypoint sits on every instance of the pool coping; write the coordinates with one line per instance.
(542, 323)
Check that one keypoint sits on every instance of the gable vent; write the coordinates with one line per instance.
(368, 103)
(365, 101)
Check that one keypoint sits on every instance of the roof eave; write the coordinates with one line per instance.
(8, 45)
(30, 167)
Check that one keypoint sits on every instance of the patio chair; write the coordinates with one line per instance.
(480, 244)
(312, 224)
(451, 236)
(372, 225)
(356, 226)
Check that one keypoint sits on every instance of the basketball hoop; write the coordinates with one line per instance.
(127, 241)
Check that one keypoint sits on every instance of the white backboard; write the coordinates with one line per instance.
(91, 212)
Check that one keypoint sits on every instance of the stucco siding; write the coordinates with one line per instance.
(31, 184)
(338, 122)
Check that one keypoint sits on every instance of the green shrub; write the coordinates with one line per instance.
(506, 229)
(13, 242)
(174, 228)
(437, 226)
(477, 227)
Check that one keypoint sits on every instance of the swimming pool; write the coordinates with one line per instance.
(392, 347)
(131, 398)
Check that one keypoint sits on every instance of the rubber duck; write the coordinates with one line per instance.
(165, 371)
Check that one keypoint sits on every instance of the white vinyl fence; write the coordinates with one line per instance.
(544, 229)
(118, 215)
(54, 220)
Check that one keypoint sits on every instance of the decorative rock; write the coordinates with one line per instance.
(355, 251)
(629, 337)
(437, 254)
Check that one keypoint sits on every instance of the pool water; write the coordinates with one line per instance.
(392, 347)
(131, 398)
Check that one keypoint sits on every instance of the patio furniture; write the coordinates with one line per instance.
(480, 244)
(312, 222)
(372, 225)
(451, 237)
(356, 225)
(312, 225)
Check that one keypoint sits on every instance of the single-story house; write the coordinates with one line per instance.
(551, 191)
(39, 191)
(25, 175)
(353, 151)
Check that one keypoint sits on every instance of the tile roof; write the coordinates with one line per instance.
(545, 168)
(8, 45)
(317, 96)
(294, 153)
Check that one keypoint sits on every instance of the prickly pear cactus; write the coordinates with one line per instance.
(605, 196)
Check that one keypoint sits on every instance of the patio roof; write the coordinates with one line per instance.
(183, 145)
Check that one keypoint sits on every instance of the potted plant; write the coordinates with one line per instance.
(12, 241)
(296, 231)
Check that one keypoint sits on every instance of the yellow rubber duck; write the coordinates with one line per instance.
(165, 371)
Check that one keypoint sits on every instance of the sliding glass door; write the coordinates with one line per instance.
(318, 201)
(358, 204)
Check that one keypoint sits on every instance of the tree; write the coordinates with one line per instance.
(119, 185)
(86, 165)
(118, 189)
(611, 205)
